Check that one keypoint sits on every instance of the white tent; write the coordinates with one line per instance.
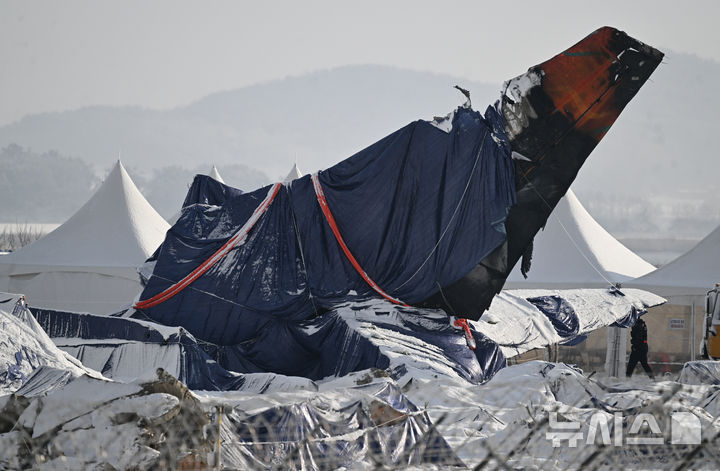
(214, 174)
(294, 174)
(688, 277)
(89, 263)
(574, 251)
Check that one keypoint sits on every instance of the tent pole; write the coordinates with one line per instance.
(692, 330)
(612, 357)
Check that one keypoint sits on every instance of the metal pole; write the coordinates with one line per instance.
(692, 331)
(611, 351)
(218, 449)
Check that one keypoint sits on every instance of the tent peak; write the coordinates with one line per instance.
(215, 175)
(574, 250)
(294, 174)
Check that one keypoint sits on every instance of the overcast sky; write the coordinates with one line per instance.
(59, 55)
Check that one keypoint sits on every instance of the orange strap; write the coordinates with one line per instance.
(469, 339)
(234, 241)
(333, 225)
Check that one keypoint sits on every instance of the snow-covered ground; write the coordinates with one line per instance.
(360, 419)
(419, 412)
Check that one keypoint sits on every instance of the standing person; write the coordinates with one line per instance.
(639, 350)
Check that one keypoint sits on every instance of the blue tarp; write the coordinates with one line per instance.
(418, 210)
(331, 344)
(562, 315)
(334, 345)
(109, 339)
(629, 320)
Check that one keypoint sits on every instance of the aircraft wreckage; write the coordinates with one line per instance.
(435, 215)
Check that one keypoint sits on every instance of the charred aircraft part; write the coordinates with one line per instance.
(555, 115)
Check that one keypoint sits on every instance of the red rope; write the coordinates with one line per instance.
(233, 242)
(469, 339)
(333, 225)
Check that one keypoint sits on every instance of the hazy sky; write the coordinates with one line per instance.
(58, 55)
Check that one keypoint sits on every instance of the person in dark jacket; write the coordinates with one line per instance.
(639, 350)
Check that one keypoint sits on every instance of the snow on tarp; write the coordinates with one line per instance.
(25, 347)
(215, 175)
(419, 217)
(89, 263)
(419, 209)
(514, 409)
(125, 349)
(700, 372)
(152, 423)
(517, 325)
(355, 336)
(339, 429)
(361, 335)
(560, 312)
(156, 423)
(89, 424)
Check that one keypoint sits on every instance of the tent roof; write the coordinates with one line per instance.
(294, 174)
(214, 174)
(117, 227)
(575, 251)
(692, 274)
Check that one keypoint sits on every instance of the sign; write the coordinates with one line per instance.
(685, 430)
(677, 324)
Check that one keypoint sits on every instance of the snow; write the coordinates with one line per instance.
(520, 109)
(444, 123)
(700, 372)
(421, 358)
(89, 422)
(81, 421)
(63, 405)
(518, 326)
(25, 347)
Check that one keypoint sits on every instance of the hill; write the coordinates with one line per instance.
(651, 174)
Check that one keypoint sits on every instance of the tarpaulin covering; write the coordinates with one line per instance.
(353, 337)
(375, 424)
(629, 320)
(560, 312)
(418, 210)
(700, 372)
(420, 217)
(124, 349)
(25, 347)
(361, 335)
(517, 325)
